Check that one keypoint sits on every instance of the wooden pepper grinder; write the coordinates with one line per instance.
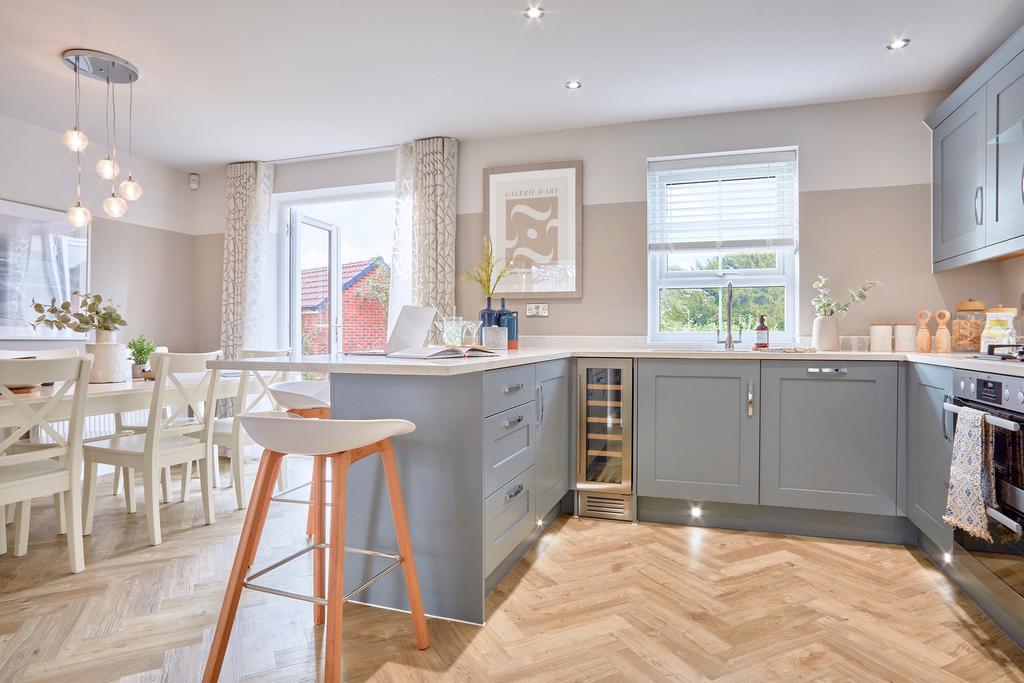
(924, 335)
(943, 342)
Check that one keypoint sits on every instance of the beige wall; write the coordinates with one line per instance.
(208, 269)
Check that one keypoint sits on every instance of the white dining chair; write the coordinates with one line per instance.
(171, 438)
(47, 469)
(228, 432)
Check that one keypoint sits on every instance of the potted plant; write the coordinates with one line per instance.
(825, 334)
(90, 313)
(139, 350)
(486, 274)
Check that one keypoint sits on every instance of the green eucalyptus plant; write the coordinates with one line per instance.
(140, 348)
(825, 305)
(92, 313)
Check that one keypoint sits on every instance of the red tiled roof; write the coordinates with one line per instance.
(314, 284)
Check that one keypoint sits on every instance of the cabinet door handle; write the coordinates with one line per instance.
(540, 391)
(750, 399)
(513, 422)
(509, 388)
(827, 371)
(514, 492)
(979, 195)
(945, 433)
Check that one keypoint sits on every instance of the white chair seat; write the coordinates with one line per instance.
(315, 437)
(302, 395)
(223, 425)
(32, 472)
(135, 444)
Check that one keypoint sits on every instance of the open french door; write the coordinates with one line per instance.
(315, 285)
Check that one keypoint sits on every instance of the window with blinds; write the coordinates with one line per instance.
(716, 219)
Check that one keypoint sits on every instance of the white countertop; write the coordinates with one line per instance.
(402, 366)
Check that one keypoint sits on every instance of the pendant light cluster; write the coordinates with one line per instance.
(113, 71)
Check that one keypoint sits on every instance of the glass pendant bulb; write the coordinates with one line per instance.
(130, 189)
(76, 140)
(79, 216)
(107, 168)
(114, 206)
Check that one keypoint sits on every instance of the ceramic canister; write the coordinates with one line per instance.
(905, 337)
(881, 338)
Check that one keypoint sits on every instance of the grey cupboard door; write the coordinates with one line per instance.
(697, 430)
(958, 180)
(552, 405)
(929, 450)
(1005, 186)
(829, 435)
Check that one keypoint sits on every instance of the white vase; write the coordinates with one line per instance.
(825, 333)
(109, 359)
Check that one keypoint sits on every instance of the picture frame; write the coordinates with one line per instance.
(534, 218)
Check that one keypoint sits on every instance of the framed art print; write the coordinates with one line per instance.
(535, 222)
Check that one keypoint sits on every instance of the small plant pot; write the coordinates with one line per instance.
(140, 370)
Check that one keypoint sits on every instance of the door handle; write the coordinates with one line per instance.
(979, 195)
(514, 492)
(509, 388)
(945, 434)
(827, 371)
(750, 399)
(540, 391)
(513, 422)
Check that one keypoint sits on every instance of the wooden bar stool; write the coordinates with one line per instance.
(342, 442)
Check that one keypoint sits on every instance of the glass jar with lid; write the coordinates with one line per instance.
(967, 326)
(998, 327)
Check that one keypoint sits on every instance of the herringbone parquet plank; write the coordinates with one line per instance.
(595, 600)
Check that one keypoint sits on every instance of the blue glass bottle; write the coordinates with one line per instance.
(488, 316)
(509, 319)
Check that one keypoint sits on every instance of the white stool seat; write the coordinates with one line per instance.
(276, 432)
(302, 395)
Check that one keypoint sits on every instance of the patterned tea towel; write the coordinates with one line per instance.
(971, 475)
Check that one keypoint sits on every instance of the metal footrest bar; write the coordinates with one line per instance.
(279, 498)
(376, 577)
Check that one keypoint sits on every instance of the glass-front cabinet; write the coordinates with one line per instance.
(605, 452)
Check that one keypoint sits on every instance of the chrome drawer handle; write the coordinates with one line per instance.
(750, 399)
(827, 371)
(514, 492)
(979, 195)
(509, 388)
(513, 423)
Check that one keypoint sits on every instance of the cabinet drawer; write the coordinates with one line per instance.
(507, 388)
(508, 519)
(508, 445)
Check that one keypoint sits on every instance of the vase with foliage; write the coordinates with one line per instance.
(825, 333)
(87, 313)
(487, 274)
(139, 350)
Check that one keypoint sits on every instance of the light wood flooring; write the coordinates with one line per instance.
(595, 600)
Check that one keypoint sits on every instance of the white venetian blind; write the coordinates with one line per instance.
(725, 200)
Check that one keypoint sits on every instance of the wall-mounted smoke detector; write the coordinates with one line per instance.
(193, 181)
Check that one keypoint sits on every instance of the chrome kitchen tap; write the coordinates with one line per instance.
(729, 345)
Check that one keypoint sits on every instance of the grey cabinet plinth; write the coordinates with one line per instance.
(829, 435)
(697, 430)
(551, 471)
(929, 450)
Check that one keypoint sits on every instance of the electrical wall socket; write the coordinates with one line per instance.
(536, 310)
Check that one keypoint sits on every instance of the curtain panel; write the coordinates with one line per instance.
(250, 185)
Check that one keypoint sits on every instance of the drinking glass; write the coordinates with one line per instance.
(451, 330)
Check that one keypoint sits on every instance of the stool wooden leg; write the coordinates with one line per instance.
(336, 576)
(318, 479)
(412, 583)
(319, 510)
(255, 516)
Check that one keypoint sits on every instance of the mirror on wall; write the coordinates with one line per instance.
(42, 256)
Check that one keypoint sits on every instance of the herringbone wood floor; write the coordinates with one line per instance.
(595, 600)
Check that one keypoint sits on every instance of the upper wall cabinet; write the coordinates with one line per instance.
(978, 163)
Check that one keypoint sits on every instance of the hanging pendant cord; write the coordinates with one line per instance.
(113, 136)
(78, 148)
(131, 116)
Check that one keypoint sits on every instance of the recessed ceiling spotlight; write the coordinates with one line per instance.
(533, 12)
(573, 85)
(898, 44)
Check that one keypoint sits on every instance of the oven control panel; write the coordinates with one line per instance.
(996, 390)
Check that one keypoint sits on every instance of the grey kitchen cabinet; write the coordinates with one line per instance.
(697, 430)
(829, 435)
(552, 441)
(929, 450)
(958, 180)
(1005, 153)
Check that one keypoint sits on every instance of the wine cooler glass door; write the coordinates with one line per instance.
(605, 435)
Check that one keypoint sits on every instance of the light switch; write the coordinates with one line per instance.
(536, 310)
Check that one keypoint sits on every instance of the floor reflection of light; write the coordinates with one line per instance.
(696, 538)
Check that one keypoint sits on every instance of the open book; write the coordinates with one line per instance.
(434, 352)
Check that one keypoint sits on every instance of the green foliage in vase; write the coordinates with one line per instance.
(825, 305)
(140, 349)
(93, 313)
(486, 273)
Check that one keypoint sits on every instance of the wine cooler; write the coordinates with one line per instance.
(604, 468)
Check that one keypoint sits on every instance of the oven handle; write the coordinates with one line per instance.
(994, 421)
(945, 401)
(1004, 520)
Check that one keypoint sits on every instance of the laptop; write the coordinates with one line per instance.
(410, 331)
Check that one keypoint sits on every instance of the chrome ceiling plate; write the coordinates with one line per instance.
(102, 66)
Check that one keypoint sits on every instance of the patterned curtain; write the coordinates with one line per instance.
(249, 188)
(426, 212)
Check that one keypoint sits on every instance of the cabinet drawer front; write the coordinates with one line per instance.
(509, 516)
(507, 388)
(508, 445)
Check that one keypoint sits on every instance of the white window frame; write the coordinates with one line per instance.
(785, 274)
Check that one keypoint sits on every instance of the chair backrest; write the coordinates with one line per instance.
(183, 382)
(244, 401)
(38, 353)
(70, 375)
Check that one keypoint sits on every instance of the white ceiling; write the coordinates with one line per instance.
(224, 80)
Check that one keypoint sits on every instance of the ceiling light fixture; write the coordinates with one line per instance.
(533, 12)
(898, 44)
(573, 85)
(112, 70)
